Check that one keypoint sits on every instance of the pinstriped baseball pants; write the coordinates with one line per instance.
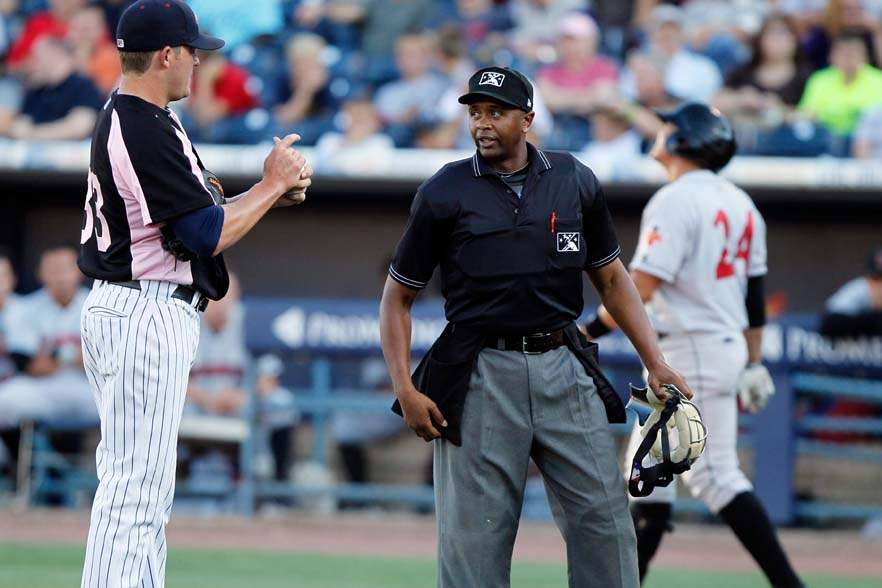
(138, 347)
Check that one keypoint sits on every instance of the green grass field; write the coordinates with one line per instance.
(28, 566)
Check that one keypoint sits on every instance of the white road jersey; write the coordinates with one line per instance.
(46, 324)
(703, 237)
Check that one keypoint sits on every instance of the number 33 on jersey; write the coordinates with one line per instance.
(703, 237)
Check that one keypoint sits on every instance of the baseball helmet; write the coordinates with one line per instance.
(675, 417)
(703, 135)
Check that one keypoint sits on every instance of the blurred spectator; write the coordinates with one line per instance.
(218, 373)
(647, 92)
(452, 57)
(308, 104)
(867, 143)
(574, 84)
(845, 15)
(774, 77)
(687, 75)
(410, 100)
(53, 22)
(382, 23)
(614, 144)
(8, 15)
(217, 380)
(333, 19)
(58, 103)
(277, 416)
(220, 100)
(95, 53)
(239, 21)
(355, 430)
(360, 148)
(837, 95)
(760, 97)
(44, 342)
(536, 25)
(482, 24)
(856, 308)
(722, 29)
(616, 19)
(10, 305)
(10, 308)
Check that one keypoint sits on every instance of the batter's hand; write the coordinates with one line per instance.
(283, 166)
(662, 373)
(755, 387)
(421, 414)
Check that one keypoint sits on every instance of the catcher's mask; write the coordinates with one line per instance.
(691, 436)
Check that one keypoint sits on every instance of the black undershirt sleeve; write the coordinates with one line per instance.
(756, 301)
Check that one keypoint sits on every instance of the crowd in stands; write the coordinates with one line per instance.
(797, 77)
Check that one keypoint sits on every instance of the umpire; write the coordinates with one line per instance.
(511, 378)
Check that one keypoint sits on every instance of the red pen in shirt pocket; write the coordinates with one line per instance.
(553, 221)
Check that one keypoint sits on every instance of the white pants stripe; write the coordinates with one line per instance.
(711, 364)
(138, 348)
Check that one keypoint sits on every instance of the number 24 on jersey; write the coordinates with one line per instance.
(726, 265)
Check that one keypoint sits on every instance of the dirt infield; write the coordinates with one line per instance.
(691, 546)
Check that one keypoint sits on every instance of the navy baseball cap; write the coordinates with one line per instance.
(502, 84)
(150, 25)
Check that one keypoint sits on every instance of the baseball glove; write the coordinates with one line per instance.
(170, 242)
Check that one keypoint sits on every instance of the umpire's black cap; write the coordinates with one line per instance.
(150, 25)
(503, 84)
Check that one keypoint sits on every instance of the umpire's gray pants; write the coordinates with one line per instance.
(545, 407)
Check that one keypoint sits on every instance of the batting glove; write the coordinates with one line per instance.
(755, 387)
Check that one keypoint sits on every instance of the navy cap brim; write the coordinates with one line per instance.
(206, 43)
(478, 95)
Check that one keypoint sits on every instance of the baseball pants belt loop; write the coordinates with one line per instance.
(535, 343)
(189, 295)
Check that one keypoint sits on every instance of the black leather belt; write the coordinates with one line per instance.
(185, 293)
(531, 344)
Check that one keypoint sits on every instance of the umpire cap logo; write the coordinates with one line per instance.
(568, 242)
(492, 78)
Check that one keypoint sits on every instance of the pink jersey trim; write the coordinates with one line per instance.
(149, 260)
(188, 151)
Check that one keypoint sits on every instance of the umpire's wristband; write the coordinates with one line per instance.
(596, 327)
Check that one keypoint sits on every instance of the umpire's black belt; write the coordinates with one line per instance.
(535, 343)
(186, 293)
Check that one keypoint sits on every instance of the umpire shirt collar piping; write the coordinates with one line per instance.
(480, 167)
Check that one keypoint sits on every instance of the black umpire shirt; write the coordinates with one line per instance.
(143, 173)
(509, 264)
